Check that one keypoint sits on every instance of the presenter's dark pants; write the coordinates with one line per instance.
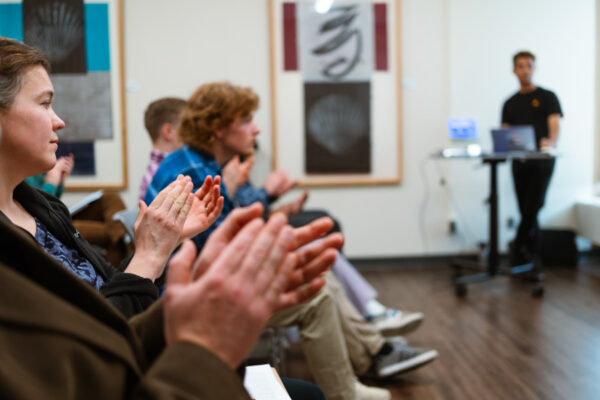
(531, 179)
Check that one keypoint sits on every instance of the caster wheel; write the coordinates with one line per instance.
(461, 290)
(537, 291)
(540, 276)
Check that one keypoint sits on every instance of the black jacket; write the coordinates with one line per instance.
(61, 340)
(129, 293)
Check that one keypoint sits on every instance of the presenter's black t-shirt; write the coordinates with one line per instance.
(531, 108)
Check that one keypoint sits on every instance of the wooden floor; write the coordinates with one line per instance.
(498, 342)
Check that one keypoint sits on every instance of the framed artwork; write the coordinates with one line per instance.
(83, 42)
(336, 91)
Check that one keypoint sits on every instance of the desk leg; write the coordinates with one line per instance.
(493, 258)
(492, 268)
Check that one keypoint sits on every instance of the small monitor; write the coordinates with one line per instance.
(514, 139)
(462, 128)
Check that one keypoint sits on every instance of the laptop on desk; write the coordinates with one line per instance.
(463, 133)
(514, 141)
(462, 129)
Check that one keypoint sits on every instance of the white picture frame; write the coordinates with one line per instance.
(287, 106)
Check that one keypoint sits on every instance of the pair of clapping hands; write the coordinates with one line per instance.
(236, 173)
(177, 213)
(277, 184)
(247, 270)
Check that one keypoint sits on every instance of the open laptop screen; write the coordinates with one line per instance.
(514, 139)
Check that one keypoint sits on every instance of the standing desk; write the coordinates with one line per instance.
(490, 267)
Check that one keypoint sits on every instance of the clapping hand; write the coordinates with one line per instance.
(278, 183)
(310, 262)
(159, 226)
(295, 206)
(247, 271)
(61, 170)
(236, 173)
(205, 209)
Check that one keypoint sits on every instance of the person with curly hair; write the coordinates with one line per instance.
(217, 125)
(162, 119)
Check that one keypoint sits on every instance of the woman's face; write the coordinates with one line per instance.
(30, 125)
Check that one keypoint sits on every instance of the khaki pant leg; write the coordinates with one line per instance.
(361, 337)
(322, 343)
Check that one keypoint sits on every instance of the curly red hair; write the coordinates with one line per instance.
(212, 107)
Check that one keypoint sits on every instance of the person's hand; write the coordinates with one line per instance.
(244, 170)
(158, 228)
(223, 305)
(69, 163)
(546, 143)
(206, 207)
(61, 170)
(225, 308)
(294, 207)
(236, 173)
(223, 235)
(311, 261)
(278, 183)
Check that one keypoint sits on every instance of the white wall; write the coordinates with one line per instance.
(484, 35)
(597, 142)
(456, 62)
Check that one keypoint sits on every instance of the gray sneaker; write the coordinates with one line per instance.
(402, 358)
(395, 322)
(397, 339)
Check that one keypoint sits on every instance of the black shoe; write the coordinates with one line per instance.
(520, 255)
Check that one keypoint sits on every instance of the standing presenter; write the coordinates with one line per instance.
(540, 108)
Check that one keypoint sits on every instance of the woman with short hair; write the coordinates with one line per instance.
(28, 148)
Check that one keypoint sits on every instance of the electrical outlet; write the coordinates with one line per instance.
(452, 227)
(510, 222)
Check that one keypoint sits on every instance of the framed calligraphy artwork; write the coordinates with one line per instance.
(335, 91)
(83, 41)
